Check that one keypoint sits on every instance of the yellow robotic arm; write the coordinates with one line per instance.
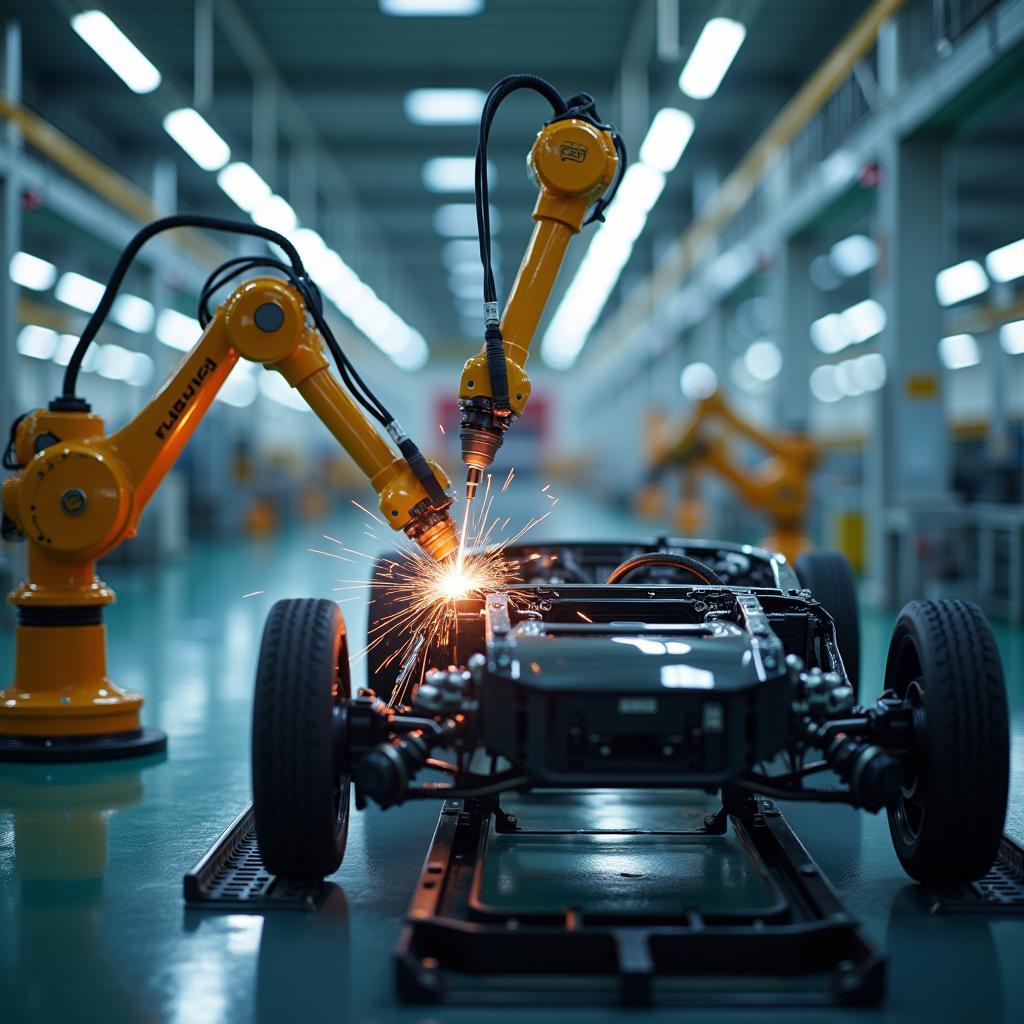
(574, 161)
(778, 486)
(80, 493)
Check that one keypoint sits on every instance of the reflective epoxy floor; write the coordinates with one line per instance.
(92, 922)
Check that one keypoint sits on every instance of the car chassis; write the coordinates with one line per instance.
(731, 679)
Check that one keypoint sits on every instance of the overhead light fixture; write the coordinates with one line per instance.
(65, 349)
(444, 106)
(959, 351)
(466, 287)
(962, 281)
(277, 214)
(763, 360)
(239, 390)
(829, 334)
(81, 292)
(36, 342)
(666, 139)
(868, 372)
(192, 132)
(698, 381)
(460, 251)
(823, 275)
(1007, 262)
(431, 8)
(1011, 337)
(853, 255)
(454, 174)
(32, 272)
(243, 186)
(413, 354)
(823, 384)
(116, 50)
(716, 47)
(175, 330)
(864, 320)
(134, 313)
(277, 389)
(458, 220)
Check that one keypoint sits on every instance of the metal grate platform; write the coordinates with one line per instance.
(1001, 891)
(231, 876)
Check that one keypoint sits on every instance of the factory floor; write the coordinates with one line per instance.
(92, 922)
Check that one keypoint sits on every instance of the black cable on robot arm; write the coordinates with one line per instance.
(131, 251)
(233, 268)
(483, 212)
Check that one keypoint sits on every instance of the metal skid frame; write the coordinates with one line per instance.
(805, 950)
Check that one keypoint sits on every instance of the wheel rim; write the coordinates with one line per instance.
(909, 812)
(340, 691)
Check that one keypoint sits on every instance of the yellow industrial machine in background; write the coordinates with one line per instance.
(778, 487)
(575, 161)
(79, 493)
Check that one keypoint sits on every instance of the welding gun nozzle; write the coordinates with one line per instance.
(474, 474)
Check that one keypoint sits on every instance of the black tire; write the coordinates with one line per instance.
(300, 795)
(949, 820)
(829, 577)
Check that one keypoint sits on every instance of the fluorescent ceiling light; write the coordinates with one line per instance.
(959, 351)
(830, 334)
(742, 378)
(1007, 262)
(864, 320)
(465, 250)
(81, 292)
(239, 389)
(431, 8)
(444, 106)
(959, 282)
(32, 272)
(141, 372)
(37, 342)
(413, 354)
(117, 51)
(277, 389)
(454, 174)
(67, 345)
(1011, 337)
(763, 360)
(823, 275)
(176, 330)
(115, 362)
(134, 313)
(717, 45)
(853, 255)
(697, 381)
(641, 186)
(458, 220)
(823, 384)
(243, 186)
(466, 288)
(190, 130)
(666, 139)
(276, 213)
(870, 370)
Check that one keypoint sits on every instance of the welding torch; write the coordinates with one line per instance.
(577, 163)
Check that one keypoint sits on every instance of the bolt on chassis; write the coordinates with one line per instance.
(681, 664)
